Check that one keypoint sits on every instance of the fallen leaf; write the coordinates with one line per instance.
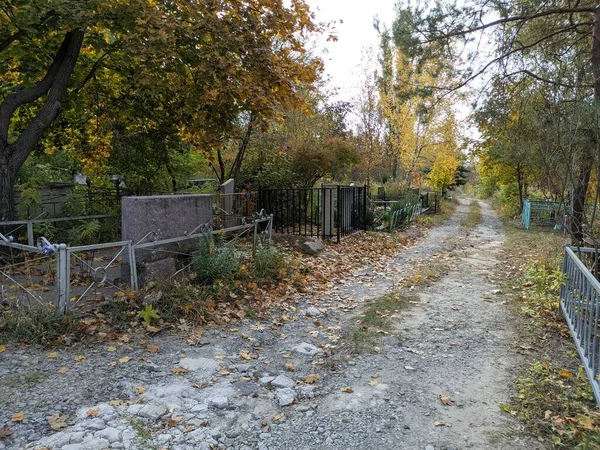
(224, 373)
(152, 348)
(289, 367)
(115, 402)
(188, 428)
(125, 359)
(58, 421)
(245, 355)
(373, 383)
(377, 350)
(278, 417)
(2, 350)
(178, 370)
(219, 357)
(111, 349)
(312, 378)
(92, 412)
(125, 338)
(80, 358)
(52, 355)
(439, 423)
(63, 370)
(564, 373)
(173, 421)
(5, 432)
(18, 417)
(446, 400)
(586, 422)
(507, 409)
(139, 390)
(347, 390)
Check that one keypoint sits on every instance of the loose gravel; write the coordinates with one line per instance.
(292, 382)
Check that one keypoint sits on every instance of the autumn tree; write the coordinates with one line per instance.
(555, 43)
(419, 120)
(186, 71)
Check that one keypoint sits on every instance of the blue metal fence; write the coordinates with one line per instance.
(541, 214)
(580, 305)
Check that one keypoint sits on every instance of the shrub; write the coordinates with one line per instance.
(41, 325)
(213, 261)
(183, 299)
(269, 263)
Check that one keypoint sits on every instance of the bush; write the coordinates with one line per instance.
(183, 300)
(41, 325)
(269, 263)
(213, 261)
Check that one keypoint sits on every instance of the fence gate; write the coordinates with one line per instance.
(580, 305)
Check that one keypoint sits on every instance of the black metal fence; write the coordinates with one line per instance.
(430, 202)
(327, 212)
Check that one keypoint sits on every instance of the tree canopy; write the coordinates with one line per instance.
(143, 75)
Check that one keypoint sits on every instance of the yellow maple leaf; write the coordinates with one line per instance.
(564, 373)
(125, 359)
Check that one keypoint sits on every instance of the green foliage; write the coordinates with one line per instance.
(148, 314)
(558, 404)
(39, 325)
(215, 260)
(269, 263)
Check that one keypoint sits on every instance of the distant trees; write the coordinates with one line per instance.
(550, 53)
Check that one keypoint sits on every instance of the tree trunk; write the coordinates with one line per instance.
(520, 182)
(7, 193)
(54, 87)
(586, 158)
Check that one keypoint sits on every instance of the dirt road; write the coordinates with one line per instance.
(292, 382)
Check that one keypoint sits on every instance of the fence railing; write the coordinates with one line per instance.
(67, 275)
(547, 214)
(329, 212)
(580, 305)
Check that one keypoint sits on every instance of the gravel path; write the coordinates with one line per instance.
(278, 384)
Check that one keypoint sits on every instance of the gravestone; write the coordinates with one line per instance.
(169, 216)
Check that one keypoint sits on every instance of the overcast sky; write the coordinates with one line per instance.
(355, 32)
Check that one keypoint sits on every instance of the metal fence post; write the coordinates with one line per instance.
(255, 239)
(338, 213)
(30, 241)
(63, 278)
(132, 267)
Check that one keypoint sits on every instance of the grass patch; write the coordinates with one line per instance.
(144, 436)
(40, 325)
(473, 217)
(553, 398)
(446, 210)
(375, 319)
(428, 275)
